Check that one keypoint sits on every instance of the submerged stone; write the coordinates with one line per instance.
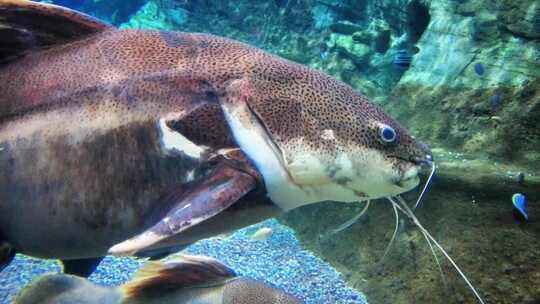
(345, 27)
(495, 101)
(362, 37)
(154, 16)
(358, 53)
(323, 16)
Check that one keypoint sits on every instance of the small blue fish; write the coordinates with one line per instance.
(479, 69)
(403, 59)
(520, 206)
(496, 100)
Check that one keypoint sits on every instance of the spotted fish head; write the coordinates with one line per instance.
(318, 139)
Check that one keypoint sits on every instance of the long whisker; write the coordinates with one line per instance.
(402, 201)
(348, 223)
(396, 215)
(411, 215)
(428, 181)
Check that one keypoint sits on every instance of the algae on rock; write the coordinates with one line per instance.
(465, 59)
(152, 16)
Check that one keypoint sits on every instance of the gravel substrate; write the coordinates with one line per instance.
(279, 260)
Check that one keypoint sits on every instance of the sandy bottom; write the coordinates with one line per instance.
(279, 260)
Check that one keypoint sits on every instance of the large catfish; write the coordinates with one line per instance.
(131, 142)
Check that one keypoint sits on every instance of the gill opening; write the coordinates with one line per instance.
(280, 155)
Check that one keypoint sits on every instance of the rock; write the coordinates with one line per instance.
(521, 18)
(293, 55)
(362, 37)
(446, 49)
(357, 52)
(504, 285)
(330, 2)
(481, 108)
(323, 16)
(444, 75)
(343, 69)
(345, 27)
(450, 45)
(377, 35)
(382, 41)
(382, 34)
(153, 16)
(114, 11)
(486, 27)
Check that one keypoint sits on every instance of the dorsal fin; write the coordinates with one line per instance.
(27, 25)
(160, 277)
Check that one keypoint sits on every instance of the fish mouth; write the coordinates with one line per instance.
(407, 173)
(409, 178)
(409, 169)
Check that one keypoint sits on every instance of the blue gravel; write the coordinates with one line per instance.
(280, 261)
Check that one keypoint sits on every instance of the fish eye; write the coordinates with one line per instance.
(387, 133)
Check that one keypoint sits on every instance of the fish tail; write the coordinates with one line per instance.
(158, 278)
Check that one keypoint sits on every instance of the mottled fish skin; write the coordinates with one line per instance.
(83, 160)
(82, 154)
(78, 290)
(189, 280)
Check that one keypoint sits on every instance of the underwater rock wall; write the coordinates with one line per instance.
(474, 83)
(113, 11)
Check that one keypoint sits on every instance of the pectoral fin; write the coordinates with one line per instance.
(193, 203)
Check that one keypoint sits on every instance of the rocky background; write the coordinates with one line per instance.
(463, 75)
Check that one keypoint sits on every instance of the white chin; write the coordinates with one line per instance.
(382, 190)
(411, 173)
(410, 183)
